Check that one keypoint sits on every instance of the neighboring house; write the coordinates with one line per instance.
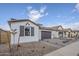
(4, 36)
(67, 33)
(28, 31)
(75, 33)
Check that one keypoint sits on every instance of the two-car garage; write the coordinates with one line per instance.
(45, 35)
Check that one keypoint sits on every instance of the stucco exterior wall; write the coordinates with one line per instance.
(16, 25)
(55, 34)
(39, 34)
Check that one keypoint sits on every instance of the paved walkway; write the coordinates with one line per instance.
(69, 50)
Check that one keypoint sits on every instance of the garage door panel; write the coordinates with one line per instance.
(45, 34)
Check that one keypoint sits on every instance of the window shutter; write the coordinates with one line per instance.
(32, 31)
(21, 30)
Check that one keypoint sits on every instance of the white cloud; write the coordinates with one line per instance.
(73, 17)
(74, 26)
(5, 27)
(46, 14)
(42, 9)
(62, 16)
(76, 8)
(29, 8)
(35, 15)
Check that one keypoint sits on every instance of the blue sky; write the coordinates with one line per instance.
(52, 14)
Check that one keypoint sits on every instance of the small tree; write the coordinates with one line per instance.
(13, 32)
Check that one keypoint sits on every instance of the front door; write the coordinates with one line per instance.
(60, 34)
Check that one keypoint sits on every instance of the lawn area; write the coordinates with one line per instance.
(32, 49)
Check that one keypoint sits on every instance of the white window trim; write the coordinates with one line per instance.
(24, 30)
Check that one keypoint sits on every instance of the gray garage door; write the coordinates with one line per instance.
(45, 35)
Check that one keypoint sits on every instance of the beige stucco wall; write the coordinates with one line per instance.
(55, 34)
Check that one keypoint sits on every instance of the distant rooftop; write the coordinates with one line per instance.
(41, 25)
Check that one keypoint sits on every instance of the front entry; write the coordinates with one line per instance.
(60, 34)
(45, 35)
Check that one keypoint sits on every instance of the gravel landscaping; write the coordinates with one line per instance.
(29, 49)
(61, 43)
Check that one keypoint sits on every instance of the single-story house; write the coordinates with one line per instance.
(25, 30)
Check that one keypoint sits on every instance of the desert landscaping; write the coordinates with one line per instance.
(57, 34)
(27, 49)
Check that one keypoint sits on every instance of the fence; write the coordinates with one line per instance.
(4, 36)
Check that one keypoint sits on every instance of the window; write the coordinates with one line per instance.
(21, 30)
(32, 31)
(60, 32)
(27, 31)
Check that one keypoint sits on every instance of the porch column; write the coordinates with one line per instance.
(63, 34)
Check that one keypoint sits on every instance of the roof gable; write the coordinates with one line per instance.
(57, 27)
(21, 20)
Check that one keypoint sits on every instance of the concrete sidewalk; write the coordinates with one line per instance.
(69, 50)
